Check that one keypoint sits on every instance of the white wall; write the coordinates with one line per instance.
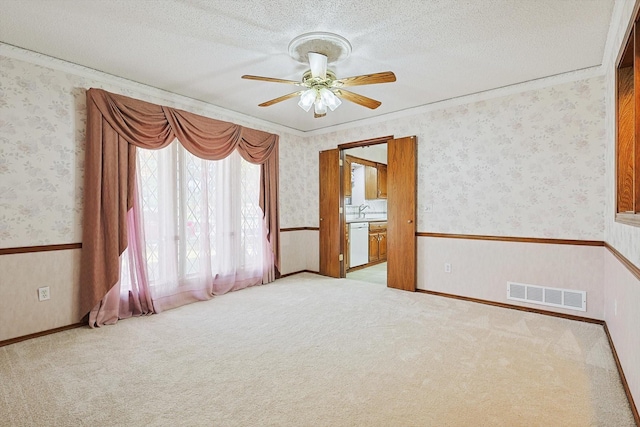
(481, 269)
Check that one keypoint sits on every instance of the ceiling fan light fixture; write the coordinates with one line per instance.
(320, 87)
(329, 99)
(307, 99)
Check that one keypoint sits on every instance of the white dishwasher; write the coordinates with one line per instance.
(358, 243)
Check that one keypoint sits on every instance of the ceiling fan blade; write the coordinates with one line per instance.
(271, 79)
(366, 79)
(358, 99)
(318, 65)
(281, 98)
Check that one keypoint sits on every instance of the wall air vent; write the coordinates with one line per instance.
(554, 297)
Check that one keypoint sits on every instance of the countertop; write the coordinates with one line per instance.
(349, 221)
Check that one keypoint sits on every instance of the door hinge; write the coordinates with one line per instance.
(340, 162)
(341, 257)
(340, 210)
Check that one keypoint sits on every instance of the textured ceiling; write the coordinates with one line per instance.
(438, 49)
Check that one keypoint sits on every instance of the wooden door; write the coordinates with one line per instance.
(330, 236)
(401, 213)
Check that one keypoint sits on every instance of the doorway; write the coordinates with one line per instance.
(364, 186)
(398, 241)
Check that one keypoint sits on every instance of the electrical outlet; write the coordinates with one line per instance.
(44, 293)
(428, 208)
(447, 267)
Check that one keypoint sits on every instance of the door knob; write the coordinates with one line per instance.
(321, 219)
(409, 221)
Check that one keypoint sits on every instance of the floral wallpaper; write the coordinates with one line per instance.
(40, 155)
(292, 182)
(530, 164)
(42, 132)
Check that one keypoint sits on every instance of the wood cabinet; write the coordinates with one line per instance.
(382, 245)
(373, 247)
(382, 181)
(377, 241)
(375, 178)
(346, 177)
(628, 127)
(370, 182)
(375, 181)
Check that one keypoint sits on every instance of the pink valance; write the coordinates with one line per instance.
(116, 125)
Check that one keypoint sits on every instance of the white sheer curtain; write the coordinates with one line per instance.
(204, 232)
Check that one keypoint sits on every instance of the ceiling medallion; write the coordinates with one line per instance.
(334, 47)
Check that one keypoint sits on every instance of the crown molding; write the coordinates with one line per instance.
(544, 82)
(619, 28)
(177, 101)
(186, 103)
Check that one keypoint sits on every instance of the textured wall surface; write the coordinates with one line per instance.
(529, 164)
(41, 160)
(42, 129)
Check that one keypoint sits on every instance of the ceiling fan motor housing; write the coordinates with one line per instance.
(336, 48)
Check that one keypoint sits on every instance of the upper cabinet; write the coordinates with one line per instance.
(370, 182)
(375, 181)
(382, 181)
(347, 177)
(371, 175)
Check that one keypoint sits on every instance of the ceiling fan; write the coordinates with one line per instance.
(320, 86)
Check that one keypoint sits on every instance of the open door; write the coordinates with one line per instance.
(401, 213)
(330, 236)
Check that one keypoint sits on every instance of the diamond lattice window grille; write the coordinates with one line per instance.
(204, 195)
(192, 189)
(250, 210)
(149, 189)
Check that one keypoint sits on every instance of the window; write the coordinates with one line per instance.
(203, 226)
(628, 131)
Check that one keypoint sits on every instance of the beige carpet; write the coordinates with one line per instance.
(311, 351)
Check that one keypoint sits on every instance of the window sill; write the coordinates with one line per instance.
(628, 218)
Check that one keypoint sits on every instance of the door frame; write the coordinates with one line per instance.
(365, 143)
(342, 148)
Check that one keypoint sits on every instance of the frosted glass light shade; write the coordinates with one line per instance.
(329, 99)
(307, 99)
(320, 107)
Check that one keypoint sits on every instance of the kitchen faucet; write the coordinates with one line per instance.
(361, 208)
